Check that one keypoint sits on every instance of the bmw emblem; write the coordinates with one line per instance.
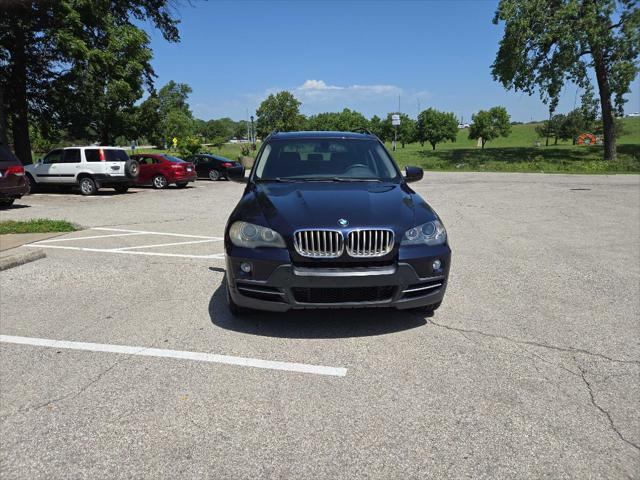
(343, 222)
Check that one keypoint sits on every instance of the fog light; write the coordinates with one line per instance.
(437, 264)
(245, 267)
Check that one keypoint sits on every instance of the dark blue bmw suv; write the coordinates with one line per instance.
(327, 220)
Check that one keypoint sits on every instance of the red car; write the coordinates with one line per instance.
(160, 170)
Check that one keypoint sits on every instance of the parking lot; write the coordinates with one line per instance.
(119, 357)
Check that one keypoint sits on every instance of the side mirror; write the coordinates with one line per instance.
(236, 174)
(413, 174)
(39, 160)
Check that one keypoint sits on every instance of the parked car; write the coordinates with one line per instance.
(212, 167)
(13, 184)
(89, 168)
(328, 220)
(161, 170)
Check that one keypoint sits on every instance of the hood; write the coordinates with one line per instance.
(291, 206)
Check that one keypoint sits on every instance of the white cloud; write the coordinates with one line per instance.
(318, 92)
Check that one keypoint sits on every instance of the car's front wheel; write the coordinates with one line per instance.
(88, 186)
(159, 182)
(214, 175)
(6, 202)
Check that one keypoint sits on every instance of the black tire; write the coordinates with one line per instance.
(121, 188)
(182, 184)
(234, 308)
(6, 202)
(32, 185)
(88, 186)
(214, 175)
(132, 168)
(159, 182)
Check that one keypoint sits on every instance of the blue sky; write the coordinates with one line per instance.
(333, 54)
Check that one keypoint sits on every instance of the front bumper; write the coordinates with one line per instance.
(289, 287)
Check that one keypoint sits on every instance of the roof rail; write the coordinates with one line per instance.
(363, 130)
(270, 135)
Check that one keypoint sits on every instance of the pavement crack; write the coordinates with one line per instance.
(535, 344)
(603, 411)
(68, 396)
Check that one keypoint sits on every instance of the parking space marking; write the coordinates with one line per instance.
(214, 256)
(178, 354)
(164, 245)
(155, 233)
(94, 236)
(128, 250)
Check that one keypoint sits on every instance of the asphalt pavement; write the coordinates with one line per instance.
(119, 358)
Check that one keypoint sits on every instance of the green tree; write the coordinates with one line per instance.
(189, 146)
(148, 120)
(110, 80)
(549, 42)
(377, 128)
(278, 112)
(551, 128)
(406, 131)
(40, 44)
(174, 96)
(490, 124)
(177, 124)
(436, 127)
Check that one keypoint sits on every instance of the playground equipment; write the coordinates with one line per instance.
(587, 139)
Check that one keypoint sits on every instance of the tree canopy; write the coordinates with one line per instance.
(43, 46)
(549, 42)
(435, 127)
(490, 124)
(278, 112)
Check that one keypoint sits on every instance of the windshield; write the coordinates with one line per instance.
(325, 159)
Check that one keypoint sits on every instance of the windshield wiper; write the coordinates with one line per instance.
(280, 179)
(343, 179)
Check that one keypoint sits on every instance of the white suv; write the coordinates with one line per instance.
(87, 167)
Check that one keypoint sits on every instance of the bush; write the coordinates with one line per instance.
(190, 146)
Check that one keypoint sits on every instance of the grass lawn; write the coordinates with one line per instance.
(519, 152)
(38, 225)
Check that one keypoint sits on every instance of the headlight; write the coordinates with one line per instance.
(248, 235)
(430, 233)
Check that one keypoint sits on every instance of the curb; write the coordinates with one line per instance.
(10, 261)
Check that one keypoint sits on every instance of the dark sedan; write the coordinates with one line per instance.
(327, 220)
(212, 167)
(13, 184)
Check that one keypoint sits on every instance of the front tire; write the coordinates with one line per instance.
(159, 182)
(88, 186)
(6, 202)
(214, 175)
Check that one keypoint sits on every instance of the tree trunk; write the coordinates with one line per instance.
(483, 142)
(433, 146)
(18, 105)
(608, 122)
(555, 140)
(3, 117)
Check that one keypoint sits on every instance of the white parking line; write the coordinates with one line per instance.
(178, 354)
(92, 237)
(163, 245)
(216, 256)
(154, 233)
